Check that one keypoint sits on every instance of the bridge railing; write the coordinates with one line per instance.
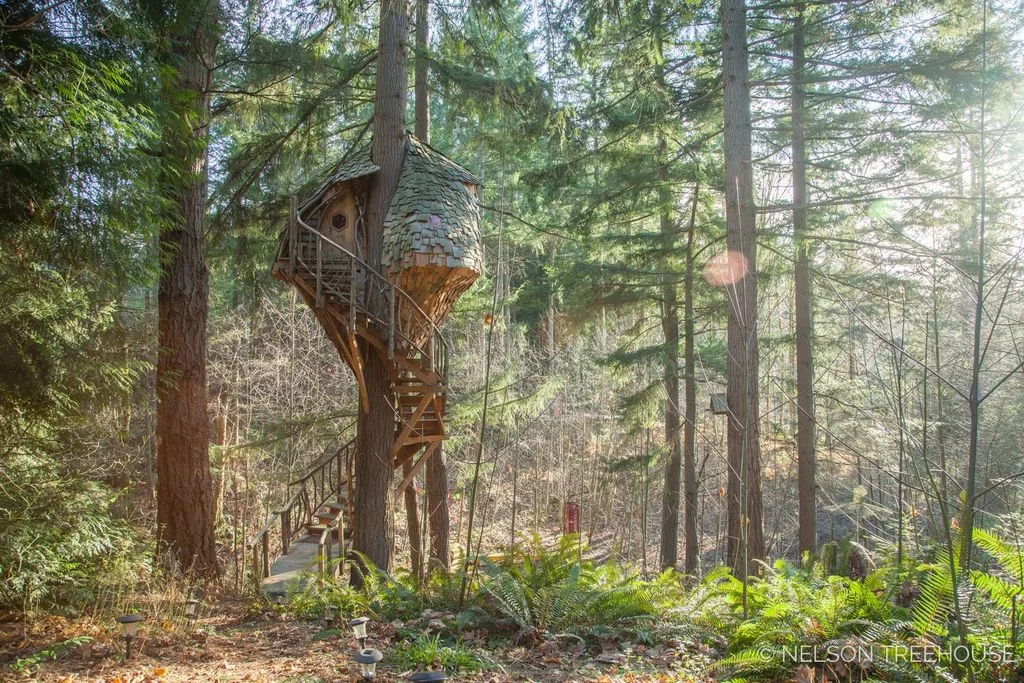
(308, 493)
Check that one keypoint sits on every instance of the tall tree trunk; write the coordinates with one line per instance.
(670, 370)
(806, 460)
(436, 468)
(412, 520)
(551, 315)
(437, 504)
(422, 86)
(745, 530)
(423, 133)
(372, 532)
(690, 422)
(185, 499)
(974, 400)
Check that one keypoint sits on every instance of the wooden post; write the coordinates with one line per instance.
(430, 348)
(391, 322)
(353, 276)
(326, 561)
(319, 272)
(293, 239)
(339, 467)
(349, 476)
(265, 541)
(286, 530)
(341, 541)
(444, 363)
(323, 556)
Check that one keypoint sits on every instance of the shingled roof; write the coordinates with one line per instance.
(434, 218)
(356, 165)
(433, 214)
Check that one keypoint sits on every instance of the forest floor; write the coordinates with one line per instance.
(238, 643)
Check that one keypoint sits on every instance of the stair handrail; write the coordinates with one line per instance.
(384, 283)
(300, 507)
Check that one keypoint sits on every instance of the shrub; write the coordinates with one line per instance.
(58, 539)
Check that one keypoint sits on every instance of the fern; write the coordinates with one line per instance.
(509, 596)
(936, 590)
(552, 590)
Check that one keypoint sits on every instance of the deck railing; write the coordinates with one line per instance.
(338, 273)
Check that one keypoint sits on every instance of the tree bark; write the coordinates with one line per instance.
(692, 551)
(806, 459)
(745, 513)
(422, 86)
(412, 520)
(670, 372)
(437, 504)
(372, 532)
(185, 499)
(436, 467)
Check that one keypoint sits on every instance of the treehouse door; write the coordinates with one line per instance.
(338, 222)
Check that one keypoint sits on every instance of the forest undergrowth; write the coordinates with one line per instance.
(544, 614)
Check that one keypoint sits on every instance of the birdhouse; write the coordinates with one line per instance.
(719, 404)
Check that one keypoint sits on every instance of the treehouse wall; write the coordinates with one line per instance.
(338, 220)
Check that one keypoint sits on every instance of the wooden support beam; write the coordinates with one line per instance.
(415, 468)
(357, 370)
(425, 438)
(407, 453)
(439, 412)
(409, 425)
(401, 361)
(418, 389)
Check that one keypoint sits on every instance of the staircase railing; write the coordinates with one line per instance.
(308, 493)
(339, 273)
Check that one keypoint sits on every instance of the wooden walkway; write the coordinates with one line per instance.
(287, 570)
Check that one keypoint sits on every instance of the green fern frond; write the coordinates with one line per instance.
(510, 598)
(1009, 557)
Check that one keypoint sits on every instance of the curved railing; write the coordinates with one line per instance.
(339, 273)
(309, 493)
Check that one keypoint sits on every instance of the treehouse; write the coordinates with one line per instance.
(432, 245)
(432, 253)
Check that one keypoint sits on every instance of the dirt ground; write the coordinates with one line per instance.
(238, 644)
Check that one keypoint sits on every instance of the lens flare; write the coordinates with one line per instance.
(726, 268)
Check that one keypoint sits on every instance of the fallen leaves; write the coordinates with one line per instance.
(236, 645)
